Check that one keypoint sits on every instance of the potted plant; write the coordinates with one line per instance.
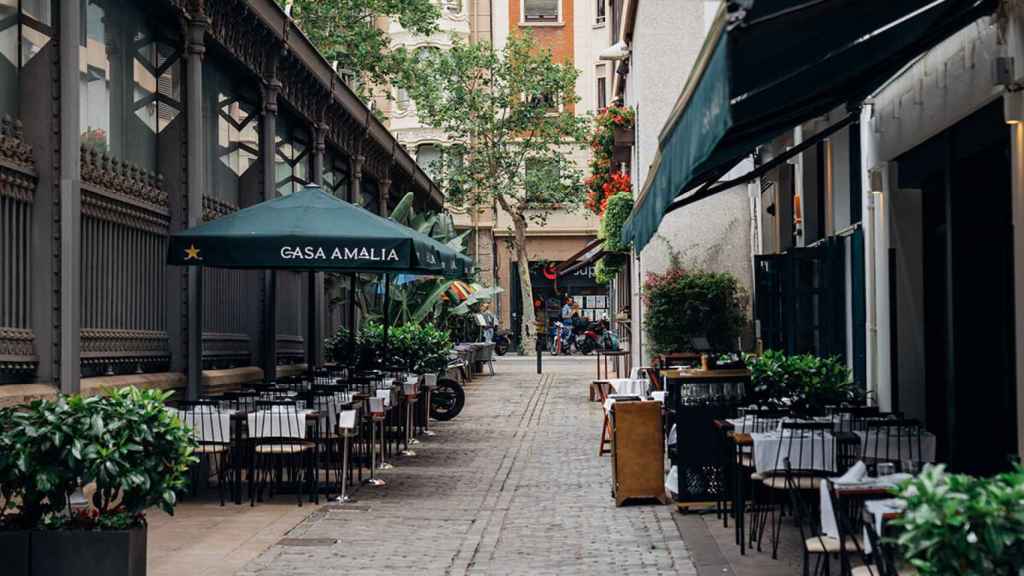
(124, 447)
(14, 536)
(805, 383)
(688, 311)
(960, 524)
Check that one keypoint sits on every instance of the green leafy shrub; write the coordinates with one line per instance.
(418, 348)
(681, 306)
(136, 452)
(807, 384)
(959, 524)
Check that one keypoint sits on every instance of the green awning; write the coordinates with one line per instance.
(312, 230)
(779, 63)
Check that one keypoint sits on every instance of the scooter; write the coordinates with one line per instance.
(448, 398)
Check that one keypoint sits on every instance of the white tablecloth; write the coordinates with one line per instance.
(805, 452)
(638, 387)
(277, 424)
(207, 425)
(889, 446)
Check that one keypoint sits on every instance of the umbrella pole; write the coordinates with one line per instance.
(312, 334)
(387, 315)
(352, 319)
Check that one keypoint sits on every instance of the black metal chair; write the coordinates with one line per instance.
(328, 400)
(814, 542)
(804, 457)
(282, 450)
(895, 440)
(211, 428)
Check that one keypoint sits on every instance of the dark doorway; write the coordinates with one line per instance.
(964, 176)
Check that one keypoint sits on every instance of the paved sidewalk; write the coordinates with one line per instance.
(512, 486)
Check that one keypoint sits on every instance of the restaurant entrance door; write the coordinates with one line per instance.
(968, 385)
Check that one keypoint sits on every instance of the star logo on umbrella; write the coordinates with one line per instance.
(192, 253)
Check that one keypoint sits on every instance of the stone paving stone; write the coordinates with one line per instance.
(512, 486)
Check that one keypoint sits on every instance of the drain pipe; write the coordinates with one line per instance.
(868, 221)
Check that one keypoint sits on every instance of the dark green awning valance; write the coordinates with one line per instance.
(779, 63)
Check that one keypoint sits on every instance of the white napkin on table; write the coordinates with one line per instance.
(855, 474)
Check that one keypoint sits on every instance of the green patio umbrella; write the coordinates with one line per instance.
(311, 230)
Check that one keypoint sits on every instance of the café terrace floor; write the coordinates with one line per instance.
(512, 486)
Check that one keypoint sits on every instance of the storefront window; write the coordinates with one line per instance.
(232, 135)
(22, 36)
(123, 68)
(291, 166)
(337, 177)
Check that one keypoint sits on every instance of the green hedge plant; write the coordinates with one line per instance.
(805, 383)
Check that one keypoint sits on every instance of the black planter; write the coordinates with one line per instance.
(14, 552)
(89, 553)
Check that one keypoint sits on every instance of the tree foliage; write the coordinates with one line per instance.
(349, 32)
(509, 115)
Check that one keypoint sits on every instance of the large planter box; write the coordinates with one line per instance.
(89, 553)
(14, 552)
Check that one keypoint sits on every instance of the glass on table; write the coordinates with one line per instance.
(886, 469)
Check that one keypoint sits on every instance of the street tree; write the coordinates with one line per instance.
(509, 117)
(350, 33)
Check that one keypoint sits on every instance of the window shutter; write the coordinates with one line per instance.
(541, 10)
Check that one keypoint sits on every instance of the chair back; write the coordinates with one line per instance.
(895, 440)
(329, 403)
(209, 424)
(278, 420)
(760, 420)
(851, 418)
(276, 393)
(807, 447)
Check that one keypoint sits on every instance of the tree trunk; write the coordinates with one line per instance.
(527, 331)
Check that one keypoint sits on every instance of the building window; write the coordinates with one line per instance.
(599, 18)
(23, 33)
(402, 100)
(337, 174)
(123, 71)
(602, 86)
(542, 11)
(291, 164)
(232, 134)
(429, 157)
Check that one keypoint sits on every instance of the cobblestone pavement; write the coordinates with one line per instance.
(512, 486)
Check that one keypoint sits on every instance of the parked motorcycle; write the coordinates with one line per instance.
(448, 398)
(596, 337)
